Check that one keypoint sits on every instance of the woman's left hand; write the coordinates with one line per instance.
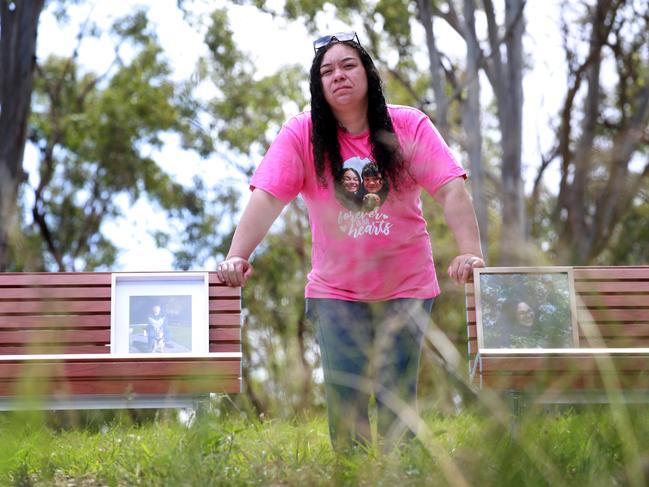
(462, 266)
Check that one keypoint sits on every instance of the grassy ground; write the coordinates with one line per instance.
(570, 447)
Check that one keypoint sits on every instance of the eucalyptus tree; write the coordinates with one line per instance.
(602, 142)
(19, 22)
(95, 134)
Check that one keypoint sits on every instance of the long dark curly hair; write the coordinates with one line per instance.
(386, 150)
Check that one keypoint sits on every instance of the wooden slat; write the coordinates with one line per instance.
(622, 342)
(224, 305)
(619, 330)
(225, 334)
(14, 279)
(224, 292)
(564, 383)
(106, 369)
(633, 287)
(634, 273)
(219, 383)
(612, 314)
(43, 349)
(220, 347)
(568, 364)
(65, 293)
(54, 336)
(48, 307)
(53, 321)
(225, 319)
(611, 300)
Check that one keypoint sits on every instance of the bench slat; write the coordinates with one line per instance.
(633, 287)
(101, 306)
(220, 305)
(612, 315)
(54, 321)
(225, 319)
(224, 292)
(225, 334)
(54, 307)
(65, 293)
(49, 279)
(109, 370)
(619, 330)
(602, 273)
(126, 386)
(95, 321)
(221, 347)
(613, 300)
(46, 349)
(159, 375)
(557, 384)
(544, 363)
(54, 336)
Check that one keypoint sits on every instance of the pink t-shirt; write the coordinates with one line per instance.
(369, 242)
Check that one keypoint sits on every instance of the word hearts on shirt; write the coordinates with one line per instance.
(357, 223)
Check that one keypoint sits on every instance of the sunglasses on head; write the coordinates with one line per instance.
(337, 37)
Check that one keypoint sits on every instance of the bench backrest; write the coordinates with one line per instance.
(612, 308)
(54, 313)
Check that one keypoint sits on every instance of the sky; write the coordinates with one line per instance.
(271, 44)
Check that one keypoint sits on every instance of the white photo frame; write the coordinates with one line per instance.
(160, 313)
(526, 308)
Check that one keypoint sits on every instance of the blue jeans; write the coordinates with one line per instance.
(369, 349)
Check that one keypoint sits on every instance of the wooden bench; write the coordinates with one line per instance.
(611, 362)
(55, 339)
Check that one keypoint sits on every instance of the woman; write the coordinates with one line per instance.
(372, 283)
(520, 326)
(351, 180)
(348, 192)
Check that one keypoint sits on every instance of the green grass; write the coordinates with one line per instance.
(572, 447)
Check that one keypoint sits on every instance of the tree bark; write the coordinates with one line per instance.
(504, 70)
(435, 68)
(19, 20)
(471, 119)
(509, 75)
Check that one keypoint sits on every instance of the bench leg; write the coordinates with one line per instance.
(516, 402)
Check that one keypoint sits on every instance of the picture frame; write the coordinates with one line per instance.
(526, 308)
(164, 313)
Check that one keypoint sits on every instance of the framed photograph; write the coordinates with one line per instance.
(160, 313)
(526, 307)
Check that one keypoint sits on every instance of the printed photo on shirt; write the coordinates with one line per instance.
(362, 186)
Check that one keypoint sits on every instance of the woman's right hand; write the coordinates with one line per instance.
(234, 271)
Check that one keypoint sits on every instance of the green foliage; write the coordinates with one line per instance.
(94, 133)
(629, 242)
(248, 110)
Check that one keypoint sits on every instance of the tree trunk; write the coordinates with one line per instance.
(471, 120)
(510, 110)
(598, 186)
(435, 69)
(19, 21)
